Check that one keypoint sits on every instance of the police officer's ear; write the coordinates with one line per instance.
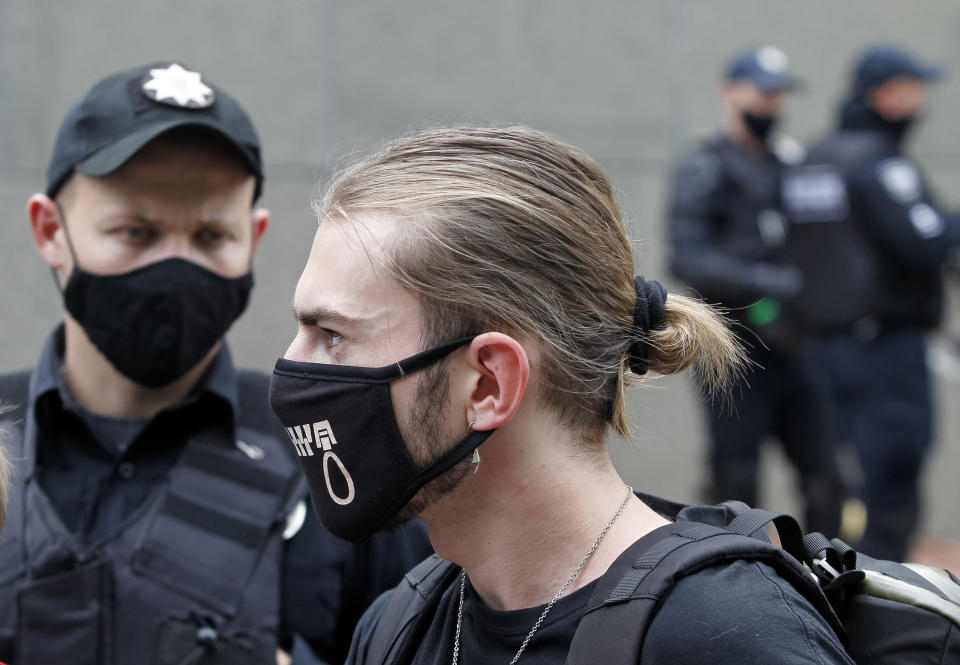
(46, 223)
(261, 220)
(731, 92)
(495, 381)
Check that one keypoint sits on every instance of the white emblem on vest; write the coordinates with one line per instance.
(814, 193)
(901, 180)
(926, 222)
(253, 452)
(320, 435)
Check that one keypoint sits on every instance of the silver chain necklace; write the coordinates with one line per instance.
(543, 615)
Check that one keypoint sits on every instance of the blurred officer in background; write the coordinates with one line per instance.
(157, 512)
(871, 240)
(728, 237)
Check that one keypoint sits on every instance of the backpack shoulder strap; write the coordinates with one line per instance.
(409, 611)
(631, 591)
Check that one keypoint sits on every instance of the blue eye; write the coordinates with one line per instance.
(138, 234)
(334, 337)
(211, 236)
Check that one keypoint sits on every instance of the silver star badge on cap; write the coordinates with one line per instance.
(176, 86)
(772, 59)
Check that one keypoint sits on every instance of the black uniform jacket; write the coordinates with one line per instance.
(97, 472)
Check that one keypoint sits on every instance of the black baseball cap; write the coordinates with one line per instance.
(124, 111)
(766, 67)
(879, 64)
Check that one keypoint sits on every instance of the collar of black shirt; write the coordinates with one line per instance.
(219, 381)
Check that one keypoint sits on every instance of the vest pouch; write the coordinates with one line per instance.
(191, 640)
(67, 613)
(828, 246)
(212, 526)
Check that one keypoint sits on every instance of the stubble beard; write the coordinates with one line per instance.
(424, 433)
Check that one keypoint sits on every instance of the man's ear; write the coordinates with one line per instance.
(502, 370)
(261, 220)
(46, 224)
(728, 91)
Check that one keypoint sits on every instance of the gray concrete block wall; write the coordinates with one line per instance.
(631, 82)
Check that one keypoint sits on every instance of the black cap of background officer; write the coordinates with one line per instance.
(879, 64)
(766, 67)
(123, 112)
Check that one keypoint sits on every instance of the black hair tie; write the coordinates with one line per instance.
(648, 314)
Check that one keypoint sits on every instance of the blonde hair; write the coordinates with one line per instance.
(6, 471)
(510, 229)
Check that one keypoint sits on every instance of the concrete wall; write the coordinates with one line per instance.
(629, 81)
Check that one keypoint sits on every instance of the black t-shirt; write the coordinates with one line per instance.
(741, 613)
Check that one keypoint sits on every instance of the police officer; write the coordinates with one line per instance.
(157, 512)
(871, 239)
(728, 236)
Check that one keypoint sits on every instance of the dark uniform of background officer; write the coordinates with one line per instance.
(728, 236)
(157, 513)
(871, 241)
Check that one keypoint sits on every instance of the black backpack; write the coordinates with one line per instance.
(884, 612)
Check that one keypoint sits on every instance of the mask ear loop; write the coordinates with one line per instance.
(73, 252)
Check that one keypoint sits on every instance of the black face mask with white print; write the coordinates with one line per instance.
(344, 429)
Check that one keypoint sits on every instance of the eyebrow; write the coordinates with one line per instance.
(205, 221)
(314, 315)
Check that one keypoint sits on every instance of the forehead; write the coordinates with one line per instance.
(909, 85)
(170, 176)
(205, 166)
(747, 92)
(345, 274)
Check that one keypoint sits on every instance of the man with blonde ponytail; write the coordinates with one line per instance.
(468, 321)
(5, 472)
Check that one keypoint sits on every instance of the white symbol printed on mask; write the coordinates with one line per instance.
(319, 436)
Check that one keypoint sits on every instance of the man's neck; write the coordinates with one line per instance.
(100, 388)
(747, 141)
(523, 523)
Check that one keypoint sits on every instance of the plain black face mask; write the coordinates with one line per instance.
(157, 322)
(344, 429)
(759, 126)
(899, 128)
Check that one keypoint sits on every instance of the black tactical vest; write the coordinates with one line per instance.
(849, 283)
(749, 223)
(193, 576)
